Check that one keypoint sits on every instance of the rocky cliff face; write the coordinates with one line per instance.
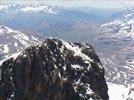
(54, 70)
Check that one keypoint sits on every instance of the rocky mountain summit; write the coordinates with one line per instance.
(54, 70)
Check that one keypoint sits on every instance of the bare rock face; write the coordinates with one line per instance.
(54, 70)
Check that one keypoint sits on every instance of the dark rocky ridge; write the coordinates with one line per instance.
(55, 70)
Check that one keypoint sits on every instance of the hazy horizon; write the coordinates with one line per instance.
(80, 3)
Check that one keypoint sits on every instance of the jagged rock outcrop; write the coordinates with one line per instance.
(54, 70)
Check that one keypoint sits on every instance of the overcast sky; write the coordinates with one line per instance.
(84, 3)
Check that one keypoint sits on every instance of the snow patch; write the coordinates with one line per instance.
(6, 49)
(14, 56)
(34, 38)
(77, 67)
(16, 44)
(77, 51)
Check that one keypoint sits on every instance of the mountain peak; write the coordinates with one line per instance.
(54, 70)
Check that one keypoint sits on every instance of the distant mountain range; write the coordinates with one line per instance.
(122, 26)
(53, 21)
(29, 8)
(117, 45)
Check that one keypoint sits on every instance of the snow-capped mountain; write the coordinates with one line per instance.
(12, 41)
(122, 26)
(30, 8)
(37, 8)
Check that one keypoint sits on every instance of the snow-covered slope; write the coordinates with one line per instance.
(120, 92)
(121, 27)
(12, 41)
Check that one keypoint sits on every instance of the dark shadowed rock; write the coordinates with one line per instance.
(55, 70)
